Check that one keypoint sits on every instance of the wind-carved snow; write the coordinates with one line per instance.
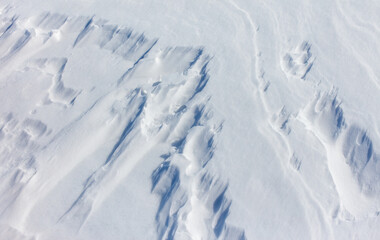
(325, 113)
(57, 93)
(199, 210)
(108, 134)
(352, 162)
(103, 128)
(297, 62)
(351, 157)
(362, 159)
(18, 141)
(280, 120)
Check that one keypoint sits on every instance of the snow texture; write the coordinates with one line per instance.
(185, 120)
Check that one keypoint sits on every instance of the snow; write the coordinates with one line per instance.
(189, 120)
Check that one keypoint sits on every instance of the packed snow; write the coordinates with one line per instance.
(229, 119)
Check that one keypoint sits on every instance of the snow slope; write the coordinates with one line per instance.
(189, 120)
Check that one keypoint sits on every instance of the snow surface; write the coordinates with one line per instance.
(189, 119)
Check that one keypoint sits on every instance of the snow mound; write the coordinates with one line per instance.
(353, 163)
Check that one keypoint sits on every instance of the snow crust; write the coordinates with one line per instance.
(186, 120)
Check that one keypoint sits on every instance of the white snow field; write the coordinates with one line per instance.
(229, 119)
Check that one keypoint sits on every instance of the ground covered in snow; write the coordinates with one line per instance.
(189, 119)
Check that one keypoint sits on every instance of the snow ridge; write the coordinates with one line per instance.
(193, 201)
(92, 135)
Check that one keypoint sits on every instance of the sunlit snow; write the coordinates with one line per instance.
(189, 119)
